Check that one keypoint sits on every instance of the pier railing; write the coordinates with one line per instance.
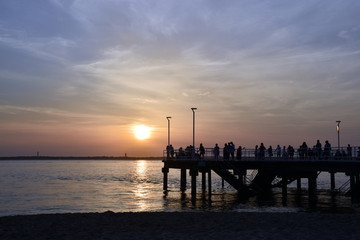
(341, 153)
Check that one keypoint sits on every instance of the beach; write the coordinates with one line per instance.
(182, 225)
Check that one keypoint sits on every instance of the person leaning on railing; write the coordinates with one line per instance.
(181, 152)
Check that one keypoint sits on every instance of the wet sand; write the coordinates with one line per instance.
(182, 225)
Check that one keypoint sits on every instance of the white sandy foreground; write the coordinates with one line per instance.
(182, 225)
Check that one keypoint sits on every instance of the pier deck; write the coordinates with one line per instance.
(267, 172)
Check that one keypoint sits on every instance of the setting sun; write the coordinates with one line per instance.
(142, 132)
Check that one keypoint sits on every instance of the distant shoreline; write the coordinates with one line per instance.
(78, 158)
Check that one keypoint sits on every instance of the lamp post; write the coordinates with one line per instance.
(332, 174)
(193, 110)
(168, 118)
(338, 133)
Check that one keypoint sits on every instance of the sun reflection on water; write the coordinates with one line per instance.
(141, 191)
(141, 168)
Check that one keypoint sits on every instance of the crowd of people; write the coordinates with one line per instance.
(230, 152)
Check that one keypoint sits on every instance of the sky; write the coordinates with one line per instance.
(77, 76)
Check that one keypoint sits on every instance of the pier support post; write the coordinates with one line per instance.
(312, 186)
(240, 174)
(332, 181)
(209, 183)
(165, 171)
(183, 180)
(284, 187)
(241, 179)
(357, 186)
(203, 180)
(298, 184)
(193, 174)
(352, 184)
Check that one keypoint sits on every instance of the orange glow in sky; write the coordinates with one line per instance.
(100, 78)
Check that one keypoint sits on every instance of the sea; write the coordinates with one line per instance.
(30, 187)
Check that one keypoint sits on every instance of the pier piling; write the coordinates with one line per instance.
(183, 180)
(165, 182)
(209, 183)
(298, 184)
(284, 187)
(265, 174)
(203, 180)
(312, 185)
(193, 174)
(332, 181)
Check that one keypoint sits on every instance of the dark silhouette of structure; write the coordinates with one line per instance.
(268, 172)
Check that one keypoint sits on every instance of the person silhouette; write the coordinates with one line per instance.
(278, 151)
(172, 152)
(262, 150)
(226, 152)
(327, 150)
(270, 152)
(216, 151)
(239, 153)
(349, 151)
(318, 149)
(256, 152)
(202, 151)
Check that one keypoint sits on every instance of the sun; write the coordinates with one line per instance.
(142, 132)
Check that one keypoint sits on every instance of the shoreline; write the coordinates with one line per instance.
(182, 225)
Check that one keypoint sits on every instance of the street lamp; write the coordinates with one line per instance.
(168, 118)
(338, 133)
(193, 110)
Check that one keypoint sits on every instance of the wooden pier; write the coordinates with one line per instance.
(267, 173)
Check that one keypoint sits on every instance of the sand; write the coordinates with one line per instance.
(182, 225)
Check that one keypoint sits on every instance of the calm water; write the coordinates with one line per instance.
(58, 186)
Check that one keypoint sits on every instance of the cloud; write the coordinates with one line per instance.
(262, 64)
(49, 49)
(49, 115)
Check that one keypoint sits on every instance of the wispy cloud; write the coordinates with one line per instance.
(269, 65)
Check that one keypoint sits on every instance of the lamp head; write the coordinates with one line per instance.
(193, 109)
(168, 118)
(338, 126)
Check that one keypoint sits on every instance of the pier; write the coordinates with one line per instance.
(252, 175)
